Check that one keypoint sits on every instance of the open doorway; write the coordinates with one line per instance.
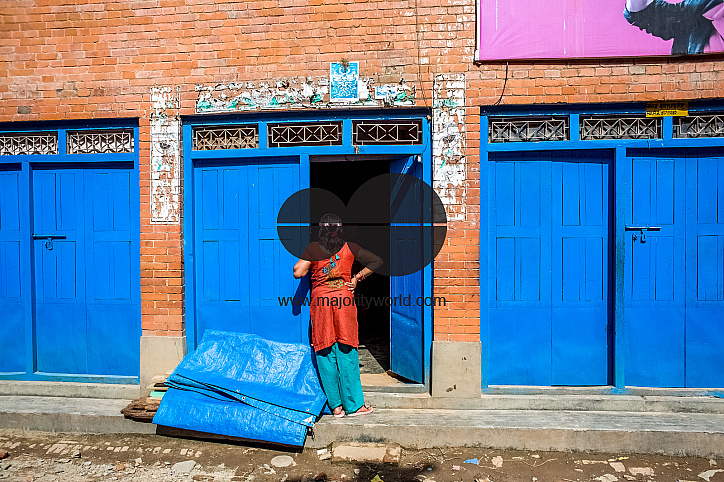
(343, 177)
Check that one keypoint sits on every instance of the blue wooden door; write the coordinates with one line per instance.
(654, 272)
(704, 361)
(548, 280)
(60, 284)
(12, 308)
(580, 271)
(112, 276)
(406, 233)
(85, 306)
(241, 266)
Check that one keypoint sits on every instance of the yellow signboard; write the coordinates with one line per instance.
(661, 109)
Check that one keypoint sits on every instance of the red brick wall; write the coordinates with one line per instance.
(78, 60)
(616, 80)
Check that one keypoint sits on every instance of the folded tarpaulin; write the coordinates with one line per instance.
(242, 385)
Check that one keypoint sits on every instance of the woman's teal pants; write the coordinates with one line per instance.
(339, 373)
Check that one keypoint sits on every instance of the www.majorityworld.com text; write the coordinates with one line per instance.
(363, 301)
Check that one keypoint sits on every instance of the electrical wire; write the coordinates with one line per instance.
(504, 84)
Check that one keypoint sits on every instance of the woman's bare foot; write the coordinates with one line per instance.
(363, 410)
(338, 412)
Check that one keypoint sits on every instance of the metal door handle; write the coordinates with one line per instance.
(643, 228)
(49, 239)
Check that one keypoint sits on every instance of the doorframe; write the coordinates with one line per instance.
(263, 151)
(27, 262)
(619, 150)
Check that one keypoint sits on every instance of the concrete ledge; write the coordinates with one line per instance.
(626, 403)
(614, 432)
(456, 369)
(159, 356)
(68, 389)
(79, 415)
(677, 433)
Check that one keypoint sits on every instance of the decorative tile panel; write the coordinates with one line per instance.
(306, 134)
(395, 132)
(115, 141)
(598, 128)
(527, 129)
(13, 144)
(695, 126)
(228, 137)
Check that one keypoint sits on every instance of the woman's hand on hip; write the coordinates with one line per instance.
(351, 285)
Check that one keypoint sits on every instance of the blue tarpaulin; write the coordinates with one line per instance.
(242, 385)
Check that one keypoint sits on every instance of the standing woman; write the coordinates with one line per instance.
(334, 314)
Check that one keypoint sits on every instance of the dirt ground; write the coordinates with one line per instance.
(37, 456)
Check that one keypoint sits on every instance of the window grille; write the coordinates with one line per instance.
(13, 144)
(307, 134)
(100, 141)
(597, 128)
(399, 132)
(711, 125)
(232, 137)
(528, 129)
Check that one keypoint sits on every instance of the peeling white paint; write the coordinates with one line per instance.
(286, 93)
(449, 143)
(165, 155)
(396, 94)
(292, 93)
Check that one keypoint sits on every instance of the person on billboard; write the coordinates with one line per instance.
(334, 313)
(697, 26)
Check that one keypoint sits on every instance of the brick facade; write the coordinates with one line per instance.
(100, 60)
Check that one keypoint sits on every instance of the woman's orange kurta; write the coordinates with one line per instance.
(333, 312)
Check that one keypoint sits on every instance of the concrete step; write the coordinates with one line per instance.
(69, 389)
(595, 402)
(690, 434)
(59, 414)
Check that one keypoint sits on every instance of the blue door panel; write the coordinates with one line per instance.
(59, 272)
(242, 267)
(406, 322)
(406, 342)
(548, 269)
(211, 284)
(654, 274)
(708, 268)
(110, 305)
(704, 347)
(112, 338)
(86, 307)
(705, 271)
(579, 269)
(519, 347)
(270, 185)
(519, 335)
(12, 335)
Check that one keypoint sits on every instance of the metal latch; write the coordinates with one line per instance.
(48, 239)
(642, 230)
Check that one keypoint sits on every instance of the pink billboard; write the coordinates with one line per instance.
(543, 29)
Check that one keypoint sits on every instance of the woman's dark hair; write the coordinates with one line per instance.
(330, 232)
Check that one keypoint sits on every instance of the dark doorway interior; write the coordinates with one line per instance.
(343, 177)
